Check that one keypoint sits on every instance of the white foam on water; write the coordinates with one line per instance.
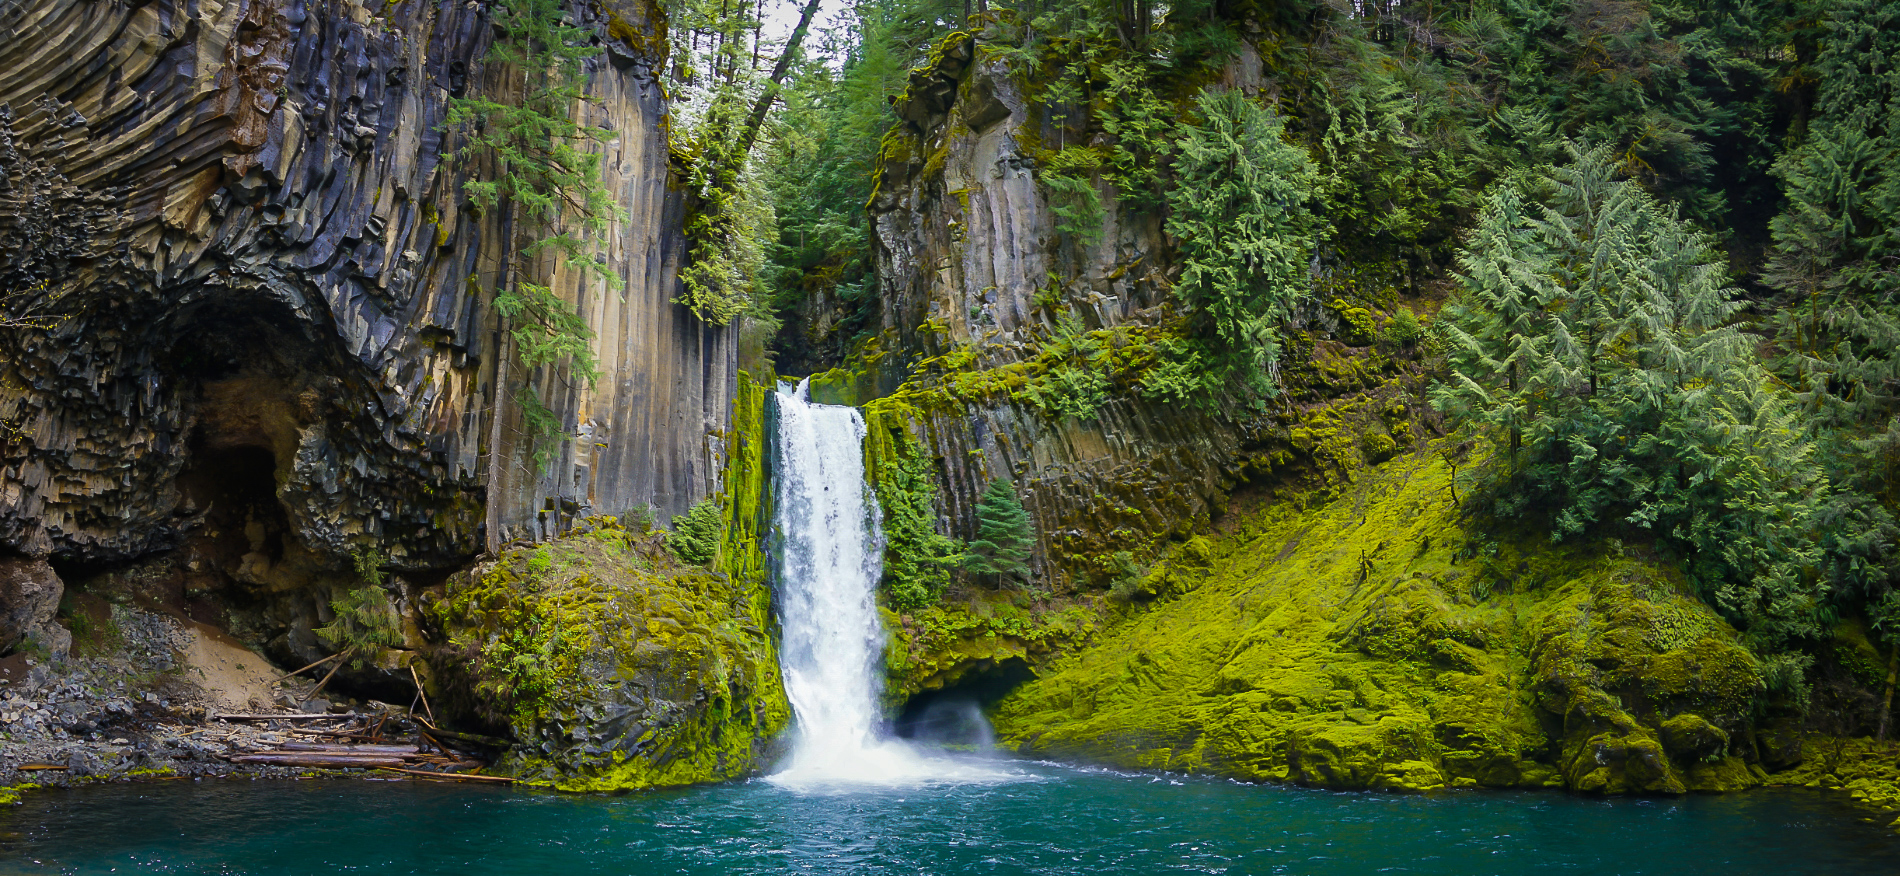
(831, 556)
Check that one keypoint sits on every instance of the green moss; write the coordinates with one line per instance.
(894, 157)
(614, 665)
(846, 386)
(1370, 641)
(10, 795)
(1865, 770)
(933, 165)
(649, 42)
(1356, 325)
(936, 646)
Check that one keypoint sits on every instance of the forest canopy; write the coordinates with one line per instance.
(1665, 236)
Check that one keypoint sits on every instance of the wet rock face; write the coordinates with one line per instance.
(964, 237)
(611, 664)
(248, 238)
(968, 256)
(29, 595)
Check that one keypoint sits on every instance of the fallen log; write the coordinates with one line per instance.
(40, 766)
(470, 738)
(287, 716)
(334, 755)
(333, 734)
(348, 749)
(458, 777)
(319, 760)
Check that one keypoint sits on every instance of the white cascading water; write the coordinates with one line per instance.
(831, 555)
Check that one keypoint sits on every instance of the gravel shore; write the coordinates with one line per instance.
(149, 706)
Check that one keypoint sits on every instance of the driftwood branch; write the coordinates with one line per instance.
(454, 777)
(341, 659)
(330, 759)
(305, 669)
(420, 694)
(287, 716)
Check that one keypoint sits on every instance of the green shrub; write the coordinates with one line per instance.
(1403, 330)
(1125, 586)
(638, 519)
(695, 534)
(917, 559)
(1071, 391)
(1069, 175)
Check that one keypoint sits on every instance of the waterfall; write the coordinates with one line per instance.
(830, 558)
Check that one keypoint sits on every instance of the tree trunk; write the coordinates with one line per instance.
(1886, 705)
(499, 411)
(770, 94)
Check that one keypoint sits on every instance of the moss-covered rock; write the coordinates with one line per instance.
(1356, 325)
(941, 645)
(612, 665)
(1868, 771)
(1372, 641)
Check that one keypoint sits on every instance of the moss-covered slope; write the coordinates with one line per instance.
(611, 664)
(1371, 640)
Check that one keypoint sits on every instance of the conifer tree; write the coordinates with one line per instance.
(1239, 209)
(1004, 535)
(1836, 259)
(540, 164)
(1592, 339)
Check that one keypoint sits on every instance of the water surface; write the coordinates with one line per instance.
(1052, 820)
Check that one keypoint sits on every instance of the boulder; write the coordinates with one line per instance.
(29, 597)
(1689, 737)
(610, 664)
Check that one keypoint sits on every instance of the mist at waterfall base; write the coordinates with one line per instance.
(830, 552)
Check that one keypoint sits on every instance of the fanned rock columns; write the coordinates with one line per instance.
(241, 213)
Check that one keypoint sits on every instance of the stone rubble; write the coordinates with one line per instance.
(136, 714)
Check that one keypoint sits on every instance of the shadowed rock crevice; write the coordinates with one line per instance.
(953, 714)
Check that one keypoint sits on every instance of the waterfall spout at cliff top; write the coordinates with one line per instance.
(830, 559)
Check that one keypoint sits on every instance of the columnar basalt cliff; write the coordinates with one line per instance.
(973, 266)
(254, 247)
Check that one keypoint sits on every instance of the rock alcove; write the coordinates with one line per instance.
(953, 714)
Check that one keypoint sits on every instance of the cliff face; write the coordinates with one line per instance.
(965, 238)
(260, 267)
(1341, 623)
(971, 262)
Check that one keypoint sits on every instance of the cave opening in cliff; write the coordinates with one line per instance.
(233, 490)
(954, 714)
(241, 365)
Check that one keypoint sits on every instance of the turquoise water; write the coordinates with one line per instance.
(1059, 821)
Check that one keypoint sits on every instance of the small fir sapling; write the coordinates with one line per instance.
(1005, 536)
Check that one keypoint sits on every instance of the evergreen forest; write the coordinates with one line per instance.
(1649, 251)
